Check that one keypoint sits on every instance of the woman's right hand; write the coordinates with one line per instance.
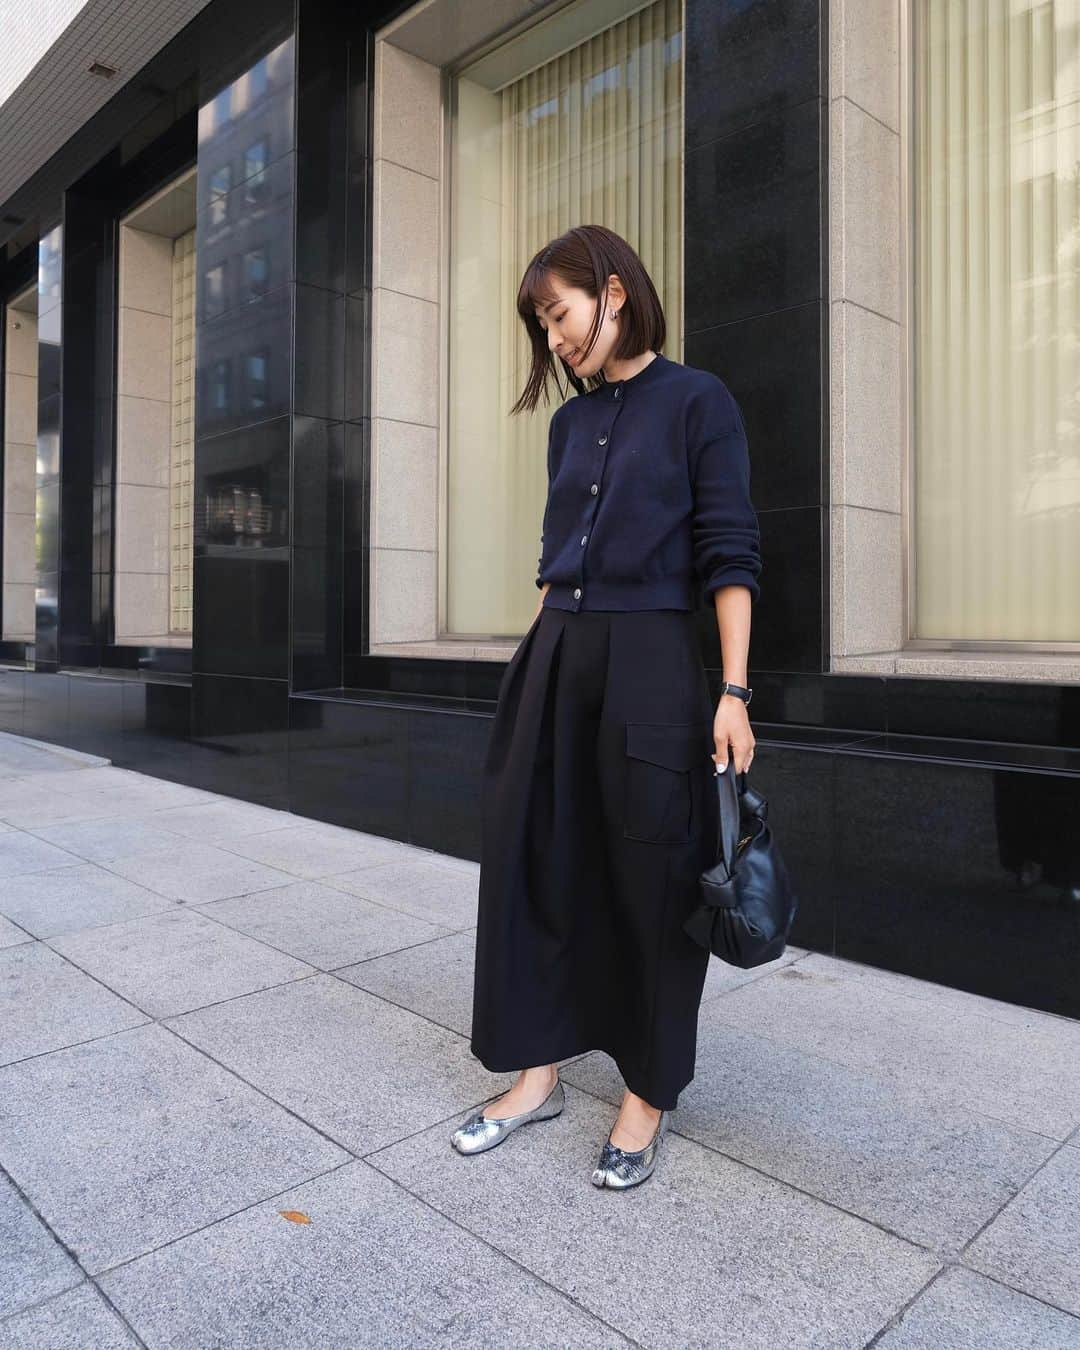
(543, 591)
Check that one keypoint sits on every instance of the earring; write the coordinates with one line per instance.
(614, 313)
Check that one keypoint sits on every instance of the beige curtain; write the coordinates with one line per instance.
(996, 435)
(593, 135)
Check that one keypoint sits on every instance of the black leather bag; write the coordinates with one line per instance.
(747, 903)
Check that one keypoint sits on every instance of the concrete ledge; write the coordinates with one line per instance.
(1049, 667)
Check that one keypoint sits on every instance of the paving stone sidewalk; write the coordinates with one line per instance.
(234, 1044)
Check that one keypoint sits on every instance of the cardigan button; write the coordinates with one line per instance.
(602, 440)
(577, 592)
(583, 538)
(595, 489)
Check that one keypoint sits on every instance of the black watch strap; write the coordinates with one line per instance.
(737, 689)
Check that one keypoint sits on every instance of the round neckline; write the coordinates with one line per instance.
(633, 379)
(630, 379)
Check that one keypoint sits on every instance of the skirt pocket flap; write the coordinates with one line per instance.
(673, 745)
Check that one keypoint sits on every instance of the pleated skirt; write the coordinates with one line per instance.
(598, 815)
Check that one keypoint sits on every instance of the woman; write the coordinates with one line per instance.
(599, 811)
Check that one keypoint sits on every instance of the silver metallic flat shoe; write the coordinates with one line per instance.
(479, 1132)
(619, 1168)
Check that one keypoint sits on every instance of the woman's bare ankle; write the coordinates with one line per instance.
(540, 1074)
(528, 1091)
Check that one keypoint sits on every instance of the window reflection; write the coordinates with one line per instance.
(218, 381)
(220, 183)
(256, 158)
(221, 107)
(256, 271)
(245, 126)
(214, 290)
(245, 245)
(256, 366)
(258, 80)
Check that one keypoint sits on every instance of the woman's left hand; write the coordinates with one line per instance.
(731, 727)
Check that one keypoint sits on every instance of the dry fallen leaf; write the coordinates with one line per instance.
(294, 1216)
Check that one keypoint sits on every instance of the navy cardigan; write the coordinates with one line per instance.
(648, 494)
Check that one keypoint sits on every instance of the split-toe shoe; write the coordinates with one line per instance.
(619, 1167)
(480, 1132)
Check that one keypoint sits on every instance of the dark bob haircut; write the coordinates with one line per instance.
(585, 257)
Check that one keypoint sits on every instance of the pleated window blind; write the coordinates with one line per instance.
(996, 318)
(592, 134)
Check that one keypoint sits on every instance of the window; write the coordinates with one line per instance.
(996, 415)
(257, 81)
(214, 291)
(220, 108)
(219, 381)
(256, 365)
(547, 131)
(256, 272)
(220, 183)
(256, 158)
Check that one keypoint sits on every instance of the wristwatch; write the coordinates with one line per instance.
(737, 689)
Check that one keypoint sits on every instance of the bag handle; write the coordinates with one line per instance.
(728, 794)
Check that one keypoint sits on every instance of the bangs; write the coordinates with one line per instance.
(535, 292)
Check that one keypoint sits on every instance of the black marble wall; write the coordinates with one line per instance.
(49, 401)
(756, 288)
(328, 385)
(247, 363)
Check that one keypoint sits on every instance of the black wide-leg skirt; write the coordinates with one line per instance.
(598, 815)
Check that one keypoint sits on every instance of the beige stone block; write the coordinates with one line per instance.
(144, 357)
(145, 271)
(835, 168)
(406, 249)
(21, 356)
(1053, 668)
(142, 528)
(20, 549)
(20, 479)
(19, 612)
(863, 665)
(404, 472)
(408, 110)
(864, 184)
(404, 603)
(864, 56)
(405, 358)
(448, 650)
(141, 605)
(20, 408)
(143, 432)
(866, 409)
(867, 606)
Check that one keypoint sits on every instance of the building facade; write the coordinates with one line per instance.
(268, 529)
